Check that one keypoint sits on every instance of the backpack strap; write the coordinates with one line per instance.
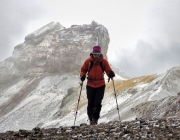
(91, 65)
(101, 65)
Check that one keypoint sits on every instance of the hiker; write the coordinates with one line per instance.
(95, 66)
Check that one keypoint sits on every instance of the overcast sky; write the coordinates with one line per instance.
(144, 34)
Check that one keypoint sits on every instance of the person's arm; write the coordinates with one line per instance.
(84, 70)
(108, 69)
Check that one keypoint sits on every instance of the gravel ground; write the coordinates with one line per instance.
(156, 129)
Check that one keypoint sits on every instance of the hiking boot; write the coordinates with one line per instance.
(93, 122)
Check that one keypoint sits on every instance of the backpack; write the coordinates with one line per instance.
(91, 65)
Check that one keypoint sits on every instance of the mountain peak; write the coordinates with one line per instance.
(44, 30)
(53, 47)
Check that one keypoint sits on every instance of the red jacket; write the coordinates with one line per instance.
(96, 75)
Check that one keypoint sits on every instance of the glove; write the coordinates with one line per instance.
(111, 74)
(83, 78)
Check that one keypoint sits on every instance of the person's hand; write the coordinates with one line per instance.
(83, 78)
(111, 74)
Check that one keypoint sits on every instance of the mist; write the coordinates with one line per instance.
(157, 49)
(15, 17)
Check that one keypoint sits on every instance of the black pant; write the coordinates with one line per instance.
(94, 96)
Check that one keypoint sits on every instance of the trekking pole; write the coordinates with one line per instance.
(81, 84)
(116, 99)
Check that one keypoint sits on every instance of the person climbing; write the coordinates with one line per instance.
(94, 67)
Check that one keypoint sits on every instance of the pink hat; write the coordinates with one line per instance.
(97, 49)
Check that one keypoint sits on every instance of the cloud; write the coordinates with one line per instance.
(158, 47)
(15, 16)
(147, 59)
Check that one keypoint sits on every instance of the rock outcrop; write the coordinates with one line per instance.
(54, 48)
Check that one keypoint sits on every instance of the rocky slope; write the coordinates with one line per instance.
(166, 107)
(159, 129)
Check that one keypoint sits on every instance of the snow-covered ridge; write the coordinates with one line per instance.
(44, 30)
